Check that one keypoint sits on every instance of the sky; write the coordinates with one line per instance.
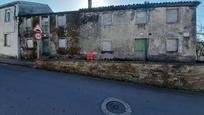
(69, 5)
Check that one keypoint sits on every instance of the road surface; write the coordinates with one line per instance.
(26, 91)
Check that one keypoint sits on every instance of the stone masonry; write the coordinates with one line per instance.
(181, 76)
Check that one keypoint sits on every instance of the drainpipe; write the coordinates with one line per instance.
(89, 4)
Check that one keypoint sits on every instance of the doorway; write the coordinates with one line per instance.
(141, 47)
(45, 48)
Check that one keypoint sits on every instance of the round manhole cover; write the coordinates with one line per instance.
(113, 106)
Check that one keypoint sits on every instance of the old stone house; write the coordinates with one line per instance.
(9, 16)
(149, 31)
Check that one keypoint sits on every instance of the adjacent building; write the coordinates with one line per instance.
(9, 24)
(150, 31)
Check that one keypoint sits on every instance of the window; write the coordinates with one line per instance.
(29, 24)
(45, 24)
(7, 15)
(107, 19)
(61, 20)
(172, 15)
(62, 43)
(172, 45)
(6, 42)
(141, 17)
(106, 46)
(30, 43)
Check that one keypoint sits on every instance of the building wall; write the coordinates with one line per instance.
(11, 29)
(123, 31)
(89, 31)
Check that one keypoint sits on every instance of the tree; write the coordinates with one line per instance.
(200, 43)
(200, 33)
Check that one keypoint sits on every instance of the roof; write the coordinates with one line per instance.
(19, 2)
(29, 7)
(145, 6)
(132, 6)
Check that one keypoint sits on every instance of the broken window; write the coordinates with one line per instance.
(7, 15)
(61, 20)
(172, 15)
(62, 43)
(45, 24)
(141, 17)
(6, 40)
(106, 46)
(172, 45)
(107, 19)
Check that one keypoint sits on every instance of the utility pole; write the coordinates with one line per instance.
(89, 3)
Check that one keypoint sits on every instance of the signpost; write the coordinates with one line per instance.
(38, 36)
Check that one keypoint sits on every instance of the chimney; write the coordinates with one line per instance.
(89, 3)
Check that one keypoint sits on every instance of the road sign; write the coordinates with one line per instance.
(38, 35)
(37, 32)
(37, 28)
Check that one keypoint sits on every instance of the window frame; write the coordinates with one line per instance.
(30, 27)
(42, 22)
(57, 18)
(7, 20)
(6, 41)
(172, 22)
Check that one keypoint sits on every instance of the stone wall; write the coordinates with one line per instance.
(181, 76)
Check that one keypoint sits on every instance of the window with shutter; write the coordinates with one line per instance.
(141, 17)
(107, 19)
(172, 45)
(172, 16)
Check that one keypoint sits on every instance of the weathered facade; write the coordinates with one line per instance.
(9, 30)
(150, 31)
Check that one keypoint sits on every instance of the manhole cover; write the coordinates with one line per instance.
(113, 106)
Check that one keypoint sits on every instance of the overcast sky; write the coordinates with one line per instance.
(67, 5)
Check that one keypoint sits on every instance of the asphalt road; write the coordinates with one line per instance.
(26, 91)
